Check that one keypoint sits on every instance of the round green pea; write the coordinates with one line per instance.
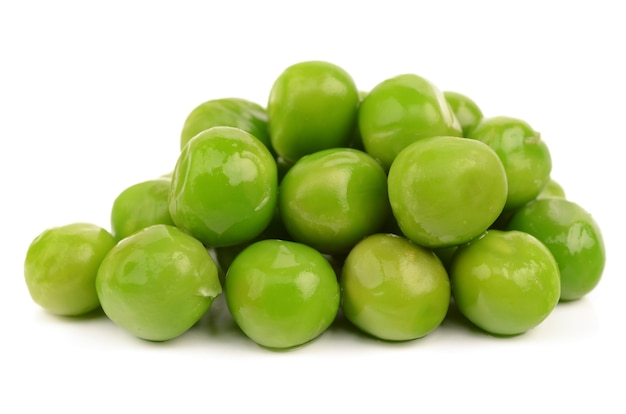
(465, 109)
(573, 237)
(333, 198)
(445, 191)
(61, 265)
(394, 289)
(523, 153)
(400, 110)
(224, 187)
(552, 189)
(232, 112)
(139, 206)
(312, 106)
(505, 282)
(282, 294)
(157, 283)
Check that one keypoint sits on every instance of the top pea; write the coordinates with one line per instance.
(312, 106)
(399, 111)
(233, 112)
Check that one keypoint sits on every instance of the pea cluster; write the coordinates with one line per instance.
(388, 206)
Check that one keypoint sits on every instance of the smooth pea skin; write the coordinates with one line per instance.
(157, 283)
(312, 106)
(139, 206)
(465, 110)
(232, 112)
(61, 266)
(333, 198)
(524, 154)
(401, 110)
(573, 237)
(393, 289)
(505, 282)
(282, 294)
(445, 191)
(224, 186)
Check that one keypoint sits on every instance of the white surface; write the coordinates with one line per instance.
(92, 99)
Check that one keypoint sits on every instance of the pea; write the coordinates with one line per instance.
(61, 265)
(523, 153)
(224, 187)
(157, 283)
(312, 106)
(552, 189)
(465, 110)
(393, 289)
(282, 294)
(333, 198)
(400, 110)
(445, 191)
(505, 282)
(573, 237)
(139, 206)
(233, 112)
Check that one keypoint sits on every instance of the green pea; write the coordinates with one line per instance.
(573, 237)
(523, 153)
(333, 198)
(505, 282)
(232, 112)
(61, 266)
(282, 294)
(157, 283)
(139, 206)
(445, 191)
(312, 106)
(400, 110)
(394, 289)
(224, 187)
(465, 109)
(552, 189)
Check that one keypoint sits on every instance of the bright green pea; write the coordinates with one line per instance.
(573, 237)
(552, 189)
(223, 189)
(331, 199)
(157, 283)
(523, 153)
(465, 109)
(505, 282)
(282, 294)
(232, 112)
(139, 206)
(401, 110)
(445, 191)
(312, 106)
(61, 266)
(394, 289)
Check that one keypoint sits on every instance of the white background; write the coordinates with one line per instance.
(92, 99)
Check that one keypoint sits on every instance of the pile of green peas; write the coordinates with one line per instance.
(387, 206)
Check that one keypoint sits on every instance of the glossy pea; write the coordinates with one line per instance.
(525, 156)
(312, 106)
(333, 198)
(224, 187)
(465, 109)
(282, 294)
(400, 110)
(233, 112)
(157, 283)
(505, 282)
(139, 206)
(572, 235)
(61, 265)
